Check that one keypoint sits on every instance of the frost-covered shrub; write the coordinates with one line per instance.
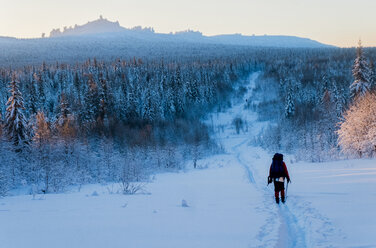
(357, 132)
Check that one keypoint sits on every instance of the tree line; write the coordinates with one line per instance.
(69, 124)
(119, 120)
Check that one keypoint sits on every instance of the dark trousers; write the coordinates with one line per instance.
(279, 187)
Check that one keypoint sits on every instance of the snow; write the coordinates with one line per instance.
(227, 203)
(218, 214)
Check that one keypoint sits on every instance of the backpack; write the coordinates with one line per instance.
(276, 169)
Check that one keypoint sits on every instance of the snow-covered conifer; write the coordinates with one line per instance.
(15, 122)
(31, 101)
(41, 96)
(361, 74)
(92, 101)
(105, 103)
(65, 120)
(290, 106)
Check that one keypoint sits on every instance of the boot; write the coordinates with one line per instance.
(283, 196)
(276, 194)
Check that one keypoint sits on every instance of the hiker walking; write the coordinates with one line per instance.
(277, 173)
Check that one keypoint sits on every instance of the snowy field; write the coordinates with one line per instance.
(228, 204)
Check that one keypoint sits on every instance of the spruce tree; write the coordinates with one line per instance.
(40, 90)
(92, 101)
(15, 122)
(290, 106)
(104, 101)
(361, 74)
(65, 123)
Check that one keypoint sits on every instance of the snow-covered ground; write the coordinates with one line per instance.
(218, 214)
(229, 204)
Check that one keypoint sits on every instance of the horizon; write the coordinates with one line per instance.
(61, 29)
(47, 35)
(295, 18)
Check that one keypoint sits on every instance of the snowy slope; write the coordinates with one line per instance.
(229, 204)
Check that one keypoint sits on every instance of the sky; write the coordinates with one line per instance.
(336, 22)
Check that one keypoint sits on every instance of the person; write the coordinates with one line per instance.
(277, 174)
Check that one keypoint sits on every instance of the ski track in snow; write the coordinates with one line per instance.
(290, 233)
(292, 224)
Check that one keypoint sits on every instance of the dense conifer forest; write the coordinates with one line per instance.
(119, 120)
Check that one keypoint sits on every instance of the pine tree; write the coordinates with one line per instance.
(65, 119)
(361, 74)
(92, 101)
(104, 102)
(177, 91)
(15, 124)
(77, 86)
(31, 101)
(149, 107)
(40, 90)
(289, 106)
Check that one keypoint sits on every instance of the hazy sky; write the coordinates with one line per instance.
(337, 22)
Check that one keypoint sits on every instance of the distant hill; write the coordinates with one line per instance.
(102, 27)
(94, 27)
(268, 41)
(6, 38)
(107, 40)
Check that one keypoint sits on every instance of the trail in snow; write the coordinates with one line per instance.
(290, 233)
(298, 222)
(249, 172)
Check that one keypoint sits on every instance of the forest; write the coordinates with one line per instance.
(116, 121)
(120, 120)
(305, 95)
